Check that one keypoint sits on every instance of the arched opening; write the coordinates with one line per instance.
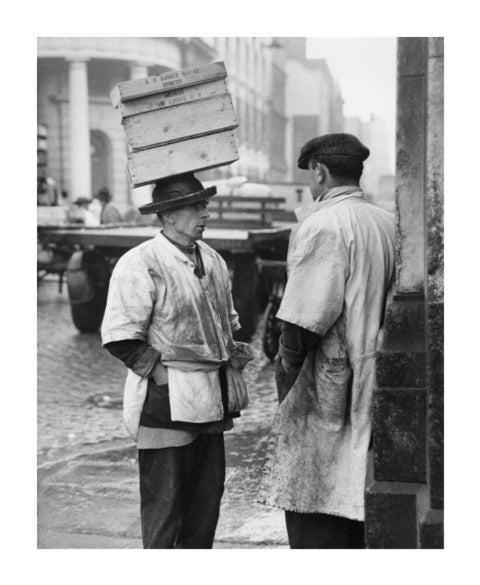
(101, 157)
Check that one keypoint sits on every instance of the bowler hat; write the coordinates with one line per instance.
(333, 145)
(176, 191)
(82, 201)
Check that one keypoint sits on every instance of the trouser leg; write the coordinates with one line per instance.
(180, 493)
(161, 478)
(357, 534)
(323, 531)
(203, 493)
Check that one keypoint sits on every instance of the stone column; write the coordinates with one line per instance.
(431, 526)
(404, 496)
(140, 195)
(80, 162)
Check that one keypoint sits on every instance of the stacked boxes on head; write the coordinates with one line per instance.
(177, 122)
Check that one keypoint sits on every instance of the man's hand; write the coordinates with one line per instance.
(238, 363)
(160, 374)
(287, 366)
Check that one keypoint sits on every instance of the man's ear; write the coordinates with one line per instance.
(321, 172)
(170, 217)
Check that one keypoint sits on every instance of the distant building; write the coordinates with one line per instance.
(313, 106)
(378, 177)
(282, 99)
(256, 81)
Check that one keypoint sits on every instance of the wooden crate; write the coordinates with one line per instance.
(177, 122)
(198, 154)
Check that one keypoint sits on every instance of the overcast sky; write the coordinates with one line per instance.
(366, 71)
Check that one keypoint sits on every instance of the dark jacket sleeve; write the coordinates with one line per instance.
(137, 355)
(295, 343)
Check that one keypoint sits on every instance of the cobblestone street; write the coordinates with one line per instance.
(79, 398)
(74, 373)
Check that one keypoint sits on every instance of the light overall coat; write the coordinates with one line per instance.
(340, 265)
(155, 296)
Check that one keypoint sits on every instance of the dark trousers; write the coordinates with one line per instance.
(323, 531)
(180, 493)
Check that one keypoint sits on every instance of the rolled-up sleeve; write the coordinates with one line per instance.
(137, 355)
(317, 272)
(130, 301)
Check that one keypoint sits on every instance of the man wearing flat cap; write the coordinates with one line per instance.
(340, 266)
(170, 318)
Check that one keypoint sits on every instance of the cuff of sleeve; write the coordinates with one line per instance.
(121, 335)
(146, 362)
(291, 356)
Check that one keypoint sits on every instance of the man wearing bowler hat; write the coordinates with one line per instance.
(170, 318)
(340, 266)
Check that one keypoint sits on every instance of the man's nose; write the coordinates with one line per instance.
(205, 213)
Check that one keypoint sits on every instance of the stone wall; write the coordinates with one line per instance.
(404, 495)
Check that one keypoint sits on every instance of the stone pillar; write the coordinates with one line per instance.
(431, 525)
(406, 475)
(140, 195)
(80, 162)
(410, 171)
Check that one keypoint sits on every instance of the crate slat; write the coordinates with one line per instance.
(180, 122)
(167, 99)
(201, 153)
(136, 88)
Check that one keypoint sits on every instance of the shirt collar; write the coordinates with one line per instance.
(205, 251)
(336, 193)
(164, 243)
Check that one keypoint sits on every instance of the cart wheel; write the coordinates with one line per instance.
(272, 331)
(87, 282)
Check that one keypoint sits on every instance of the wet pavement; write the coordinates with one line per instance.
(87, 468)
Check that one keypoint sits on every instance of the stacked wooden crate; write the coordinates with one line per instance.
(177, 122)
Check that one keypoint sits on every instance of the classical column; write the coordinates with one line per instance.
(80, 163)
(140, 195)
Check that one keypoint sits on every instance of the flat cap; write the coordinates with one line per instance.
(338, 145)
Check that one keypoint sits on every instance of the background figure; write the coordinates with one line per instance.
(47, 192)
(108, 213)
(63, 200)
(80, 213)
(133, 215)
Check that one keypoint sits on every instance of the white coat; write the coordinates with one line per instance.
(340, 266)
(155, 296)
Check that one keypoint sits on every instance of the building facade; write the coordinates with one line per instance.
(378, 179)
(314, 102)
(256, 81)
(86, 142)
(281, 100)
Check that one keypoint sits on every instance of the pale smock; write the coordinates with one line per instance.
(155, 296)
(340, 266)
